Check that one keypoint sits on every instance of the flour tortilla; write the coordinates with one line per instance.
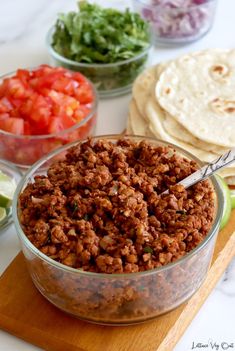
(139, 127)
(155, 118)
(129, 129)
(136, 124)
(142, 89)
(149, 120)
(156, 129)
(198, 92)
(178, 131)
(142, 86)
(167, 127)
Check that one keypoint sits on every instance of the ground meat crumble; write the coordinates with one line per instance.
(101, 209)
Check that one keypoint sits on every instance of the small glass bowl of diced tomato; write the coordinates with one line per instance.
(42, 109)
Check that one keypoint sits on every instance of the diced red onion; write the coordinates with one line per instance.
(179, 18)
(36, 200)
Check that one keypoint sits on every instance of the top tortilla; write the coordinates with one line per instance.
(143, 87)
(198, 92)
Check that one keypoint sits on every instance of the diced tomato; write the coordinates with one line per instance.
(81, 112)
(4, 116)
(68, 121)
(63, 104)
(43, 82)
(40, 112)
(15, 88)
(42, 70)
(58, 124)
(5, 105)
(13, 125)
(79, 77)
(27, 129)
(16, 104)
(65, 85)
(84, 94)
(26, 107)
(23, 75)
(43, 101)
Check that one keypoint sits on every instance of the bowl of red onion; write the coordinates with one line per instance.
(177, 22)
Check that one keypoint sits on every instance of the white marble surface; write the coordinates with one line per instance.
(23, 27)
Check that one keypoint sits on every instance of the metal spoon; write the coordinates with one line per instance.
(207, 170)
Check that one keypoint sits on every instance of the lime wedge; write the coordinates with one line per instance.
(7, 189)
(227, 201)
(3, 214)
(232, 195)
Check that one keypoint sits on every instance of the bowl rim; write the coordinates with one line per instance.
(59, 57)
(62, 132)
(28, 176)
(180, 8)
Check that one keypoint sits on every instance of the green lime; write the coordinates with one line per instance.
(3, 214)
(227, 201)
(232, 195)
(7, 189)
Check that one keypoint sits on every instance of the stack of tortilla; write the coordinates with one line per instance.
(189, 102)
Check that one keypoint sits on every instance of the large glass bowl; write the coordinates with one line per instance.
(117, 298)
(24, 150)
(110, 79)
(174, 25)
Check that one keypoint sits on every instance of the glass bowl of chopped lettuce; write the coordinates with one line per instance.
(108, 46)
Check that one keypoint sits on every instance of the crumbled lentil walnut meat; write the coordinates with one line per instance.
(100, 208)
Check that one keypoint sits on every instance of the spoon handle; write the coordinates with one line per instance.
(209, 169)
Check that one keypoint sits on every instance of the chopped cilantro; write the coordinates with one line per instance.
(183, 212)
(86, 217)
(74, 207)
(148, 249)
(100, 35)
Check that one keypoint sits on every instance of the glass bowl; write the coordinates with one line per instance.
(175, 25)
(24, 150)
(15, 174)
(117, 299)
(110, 79)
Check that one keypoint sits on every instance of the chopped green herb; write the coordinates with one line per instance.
(100, 35)
(142, 287)
(56, 223)
(148, 249)
(184, 216)
(75, 207)
(96, 35)
(86, 217)
(183, 212)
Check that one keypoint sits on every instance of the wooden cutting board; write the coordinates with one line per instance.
(26, 314)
